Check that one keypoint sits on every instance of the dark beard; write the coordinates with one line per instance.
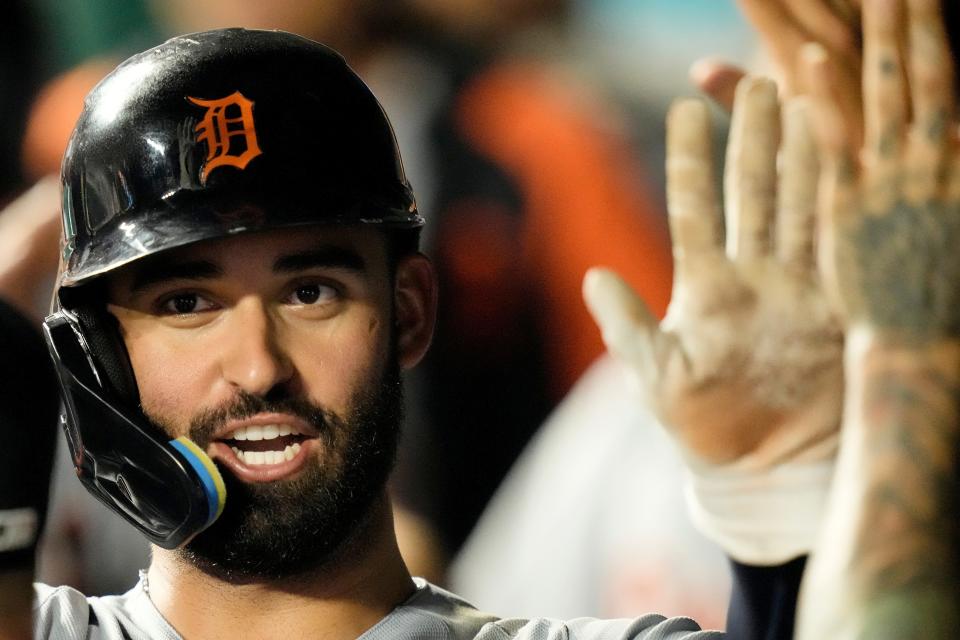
(285, 528)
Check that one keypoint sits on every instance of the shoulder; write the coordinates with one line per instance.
(432, 612)
(63, 613)
(60, 612)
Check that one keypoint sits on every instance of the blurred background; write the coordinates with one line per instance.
(532, 132)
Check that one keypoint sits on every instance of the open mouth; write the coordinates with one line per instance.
(261, 450)
(267, 444)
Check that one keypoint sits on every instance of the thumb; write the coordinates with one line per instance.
(627, 325)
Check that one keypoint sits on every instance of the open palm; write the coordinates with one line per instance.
(745, 369)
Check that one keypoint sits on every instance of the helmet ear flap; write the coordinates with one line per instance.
(102, 333)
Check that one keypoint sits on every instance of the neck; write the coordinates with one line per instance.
(340, 600)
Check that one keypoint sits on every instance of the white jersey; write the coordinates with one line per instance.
(63, 613)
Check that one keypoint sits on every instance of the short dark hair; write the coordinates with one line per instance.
(400, 244)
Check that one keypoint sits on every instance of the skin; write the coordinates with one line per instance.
(887, 566)
(29, 237)
(748, 328)
(252, 332)
(784, 27)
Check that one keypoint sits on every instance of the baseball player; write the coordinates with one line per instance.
(241, 291)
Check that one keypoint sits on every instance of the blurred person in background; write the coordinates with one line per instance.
(533, 168)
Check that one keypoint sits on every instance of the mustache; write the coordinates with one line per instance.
(205, 425)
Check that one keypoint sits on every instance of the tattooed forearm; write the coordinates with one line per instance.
(904, 414)
(886, 566)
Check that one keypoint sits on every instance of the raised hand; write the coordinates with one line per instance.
(887, 565)
(745, 370)
(748, 351)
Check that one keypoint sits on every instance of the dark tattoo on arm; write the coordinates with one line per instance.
(908, 261)
(888, 67)
(937, 126)
(906, 559)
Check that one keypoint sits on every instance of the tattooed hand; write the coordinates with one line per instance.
(892, 215)
(887, 563)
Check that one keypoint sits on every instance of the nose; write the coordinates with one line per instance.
(253, 359)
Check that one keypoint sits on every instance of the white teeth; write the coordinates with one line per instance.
(267, 457)
(265, 432)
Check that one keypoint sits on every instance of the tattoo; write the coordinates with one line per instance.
(888, 66)
(846, 170)
(906, 565)
(937, 127)
(888, 142)
(908, 261)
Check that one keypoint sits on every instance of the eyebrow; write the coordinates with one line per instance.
(159, 271)
(326, 257)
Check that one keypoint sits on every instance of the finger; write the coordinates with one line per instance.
(750, 179)
(884, 87)
(628, 327)
(932, 97)
(718, 80)
(692, 199)
(824, 21)
(838, 182)
(837, 156)
(847, 10)
(846, 80)
(797, 192)
(780, 34)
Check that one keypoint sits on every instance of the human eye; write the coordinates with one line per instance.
(312, 293)
(185, 303)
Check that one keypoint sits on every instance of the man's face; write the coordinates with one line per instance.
(276, 353)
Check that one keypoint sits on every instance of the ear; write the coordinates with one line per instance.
(415, 302)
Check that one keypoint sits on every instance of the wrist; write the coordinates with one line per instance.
(762, 516)
(899, 350)
(871, 355)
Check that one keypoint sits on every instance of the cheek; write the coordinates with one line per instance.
(342, 359)
(170, 382)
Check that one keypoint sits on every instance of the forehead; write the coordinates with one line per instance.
(280, 241)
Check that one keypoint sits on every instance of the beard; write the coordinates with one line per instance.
(289, 527)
